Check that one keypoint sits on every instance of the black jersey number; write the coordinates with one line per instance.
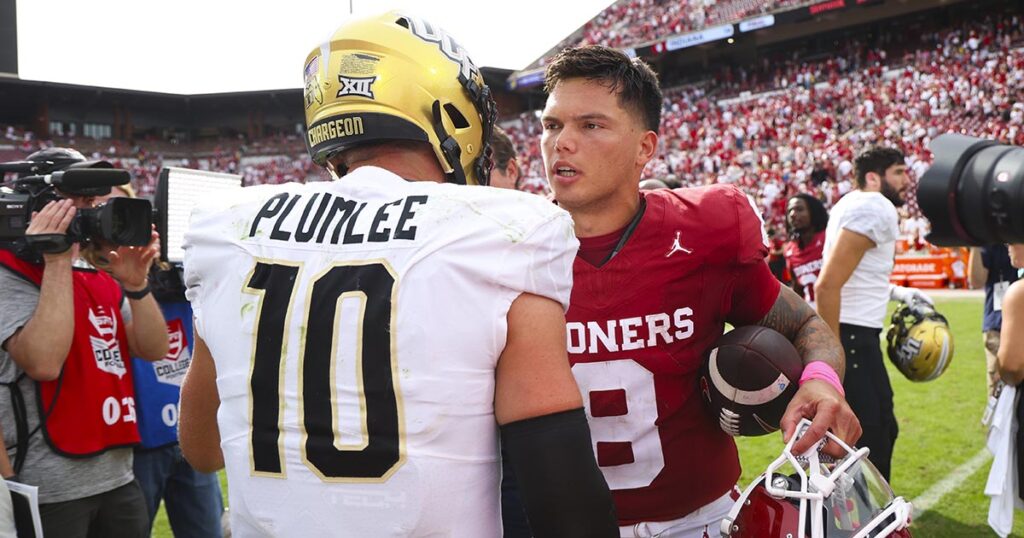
(381, 451)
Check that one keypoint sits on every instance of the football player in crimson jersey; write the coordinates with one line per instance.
(657, 276)
(806, 218)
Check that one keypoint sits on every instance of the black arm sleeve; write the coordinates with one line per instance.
(563, 491)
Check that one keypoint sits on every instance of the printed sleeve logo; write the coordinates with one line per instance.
(361, 86)
(105, 347)
(172, 368)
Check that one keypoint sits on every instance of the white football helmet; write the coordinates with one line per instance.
(821, 499)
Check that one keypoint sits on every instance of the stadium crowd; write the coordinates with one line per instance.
(632, 22)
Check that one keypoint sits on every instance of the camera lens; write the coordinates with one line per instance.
(973, 194)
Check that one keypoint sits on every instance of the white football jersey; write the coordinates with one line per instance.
(355, 326)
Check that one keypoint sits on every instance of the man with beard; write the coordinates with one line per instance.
(806, 218)
(853, 290)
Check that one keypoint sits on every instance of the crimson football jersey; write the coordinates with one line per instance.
(638, 328)
(805, 263)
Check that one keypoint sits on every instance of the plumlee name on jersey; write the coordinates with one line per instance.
(322, 209)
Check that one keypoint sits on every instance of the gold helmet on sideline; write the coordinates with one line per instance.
(920, 342)
(397, 77)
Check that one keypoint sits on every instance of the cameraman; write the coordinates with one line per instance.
(66, 332)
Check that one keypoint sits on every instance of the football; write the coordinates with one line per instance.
(748, 378)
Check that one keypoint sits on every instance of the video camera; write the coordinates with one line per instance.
(120, 221)
(973, 194)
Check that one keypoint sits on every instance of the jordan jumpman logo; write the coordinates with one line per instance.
(676, 247)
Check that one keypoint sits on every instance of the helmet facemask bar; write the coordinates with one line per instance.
(816, 488)
(480, 95)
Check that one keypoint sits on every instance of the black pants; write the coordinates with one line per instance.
(120, 512)
(869, 393)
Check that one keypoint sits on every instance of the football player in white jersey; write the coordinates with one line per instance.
(359, 343)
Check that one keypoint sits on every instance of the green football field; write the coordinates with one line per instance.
(940, 461)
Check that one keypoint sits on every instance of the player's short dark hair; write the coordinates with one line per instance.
(819, 215)
(877, 160)
(503, 148)
(631, 78)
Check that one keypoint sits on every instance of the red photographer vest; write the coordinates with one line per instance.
(90, 407)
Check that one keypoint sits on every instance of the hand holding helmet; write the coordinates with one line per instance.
(909, 295)
(846, 498)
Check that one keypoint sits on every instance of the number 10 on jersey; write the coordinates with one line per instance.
(382, 450)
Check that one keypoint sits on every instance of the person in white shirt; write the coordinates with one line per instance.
(853, 290)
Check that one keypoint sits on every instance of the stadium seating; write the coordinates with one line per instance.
(632, 22)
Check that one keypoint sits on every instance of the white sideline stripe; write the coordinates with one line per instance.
(932, 495)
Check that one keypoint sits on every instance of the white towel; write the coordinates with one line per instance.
(1002, 478)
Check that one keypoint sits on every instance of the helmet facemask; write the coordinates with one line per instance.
(821, 498)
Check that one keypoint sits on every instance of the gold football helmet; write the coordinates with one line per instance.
(920, 342)
(397, 77)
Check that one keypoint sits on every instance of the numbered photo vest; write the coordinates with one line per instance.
(158, 384)
(90, 407)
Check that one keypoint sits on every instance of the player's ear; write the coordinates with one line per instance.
(648, 147)
(872, 179)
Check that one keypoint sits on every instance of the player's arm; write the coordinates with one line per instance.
(817, 398)
(41, 346)
(1011, 338)
(544, 429)
(844, 257)
(977, 273)
(198, 433)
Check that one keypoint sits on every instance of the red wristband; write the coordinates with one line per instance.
(823, 371)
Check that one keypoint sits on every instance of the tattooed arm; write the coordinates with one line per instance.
(816, 399)
(797, 321)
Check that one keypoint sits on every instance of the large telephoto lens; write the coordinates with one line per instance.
(973, 194)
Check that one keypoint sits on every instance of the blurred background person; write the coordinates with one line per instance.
(853, 290)
(776, 254)
(1006, 438)
(990, 267)
(806, 219)
(506, 173)
(192, 499)
(1011, 342)
(652, 184)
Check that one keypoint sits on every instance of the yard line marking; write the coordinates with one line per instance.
(932, 495)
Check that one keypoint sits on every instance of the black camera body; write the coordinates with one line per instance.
(120, 221)
(973, 194)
